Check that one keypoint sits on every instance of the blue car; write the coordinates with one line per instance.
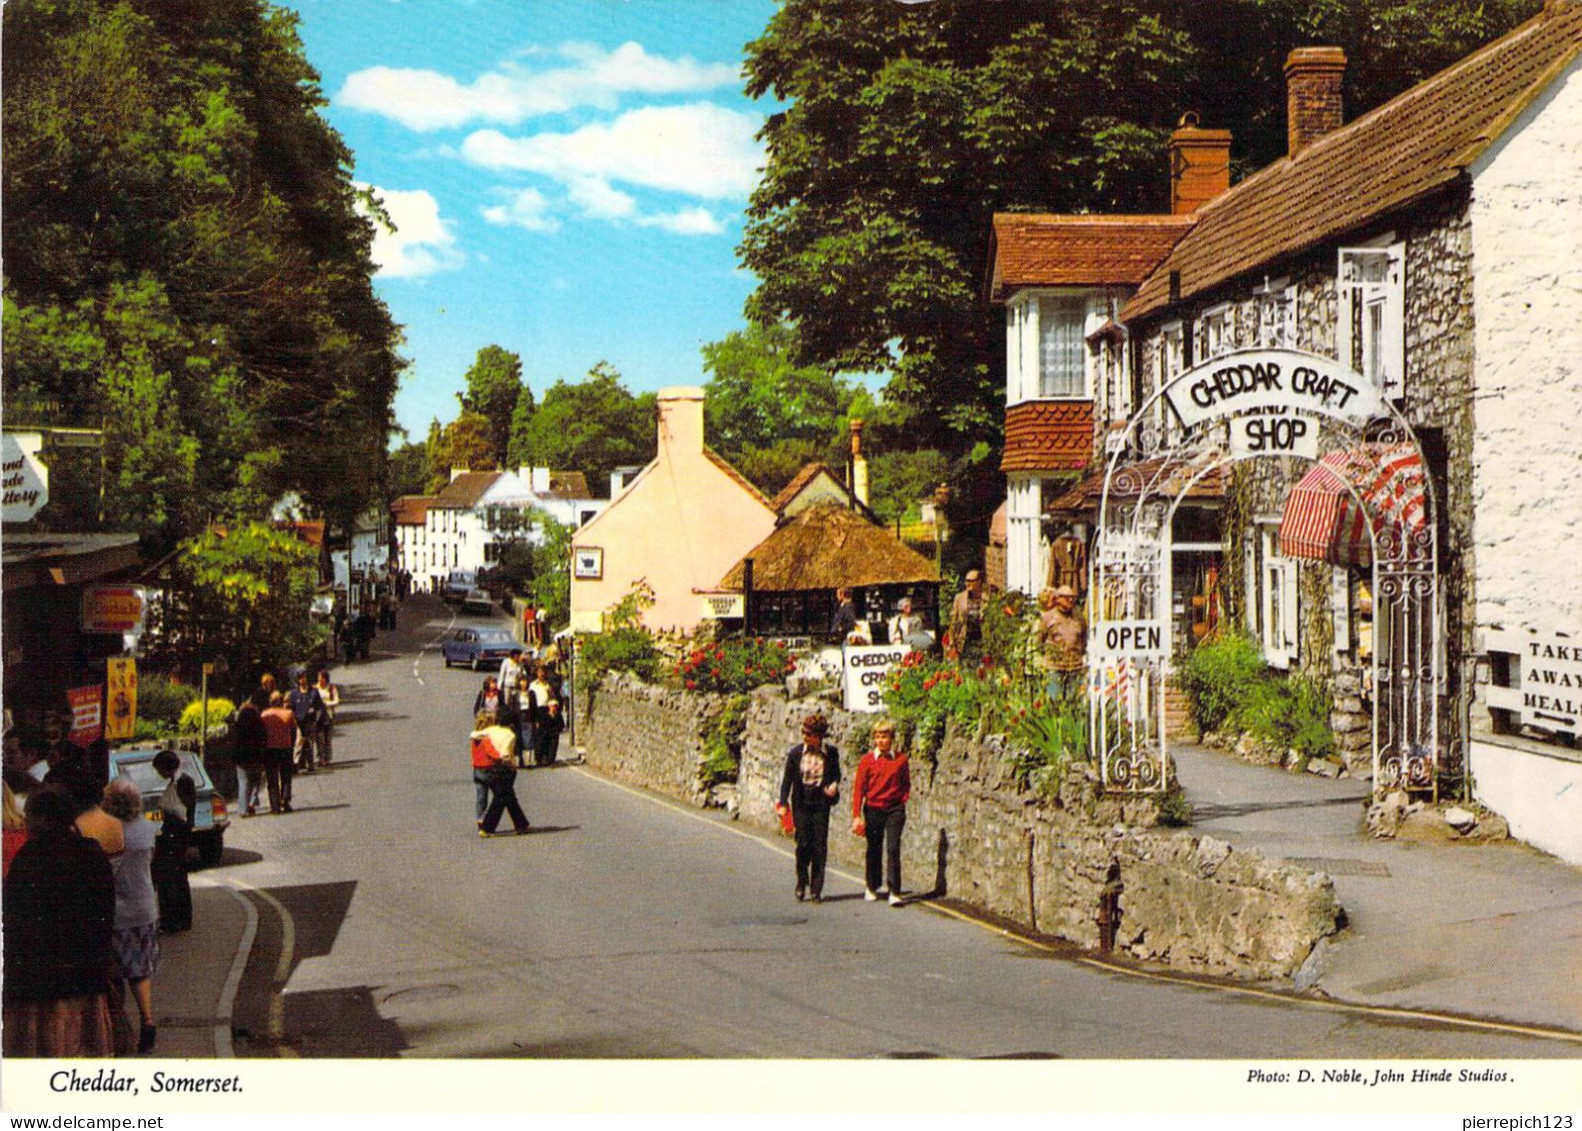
(477, 647)
(210, 817)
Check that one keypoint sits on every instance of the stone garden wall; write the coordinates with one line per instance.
(974, 835)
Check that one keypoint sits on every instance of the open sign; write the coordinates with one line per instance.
(1129, 638)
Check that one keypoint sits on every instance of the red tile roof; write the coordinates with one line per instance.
(463, 492)
(1048, 436)
(1040, 250)
(411, 510)
(1407, 149)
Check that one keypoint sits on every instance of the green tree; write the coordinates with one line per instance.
(466, 442)
(516, 452)
(757, 395)
(244, 594)
(409, 470)
(593, 426)
(550, 587)
(905, 127)
(494, 388)
(187, 261)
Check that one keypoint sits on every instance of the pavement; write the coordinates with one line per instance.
(1487, 931)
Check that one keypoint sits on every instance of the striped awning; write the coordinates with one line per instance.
(1348, 496)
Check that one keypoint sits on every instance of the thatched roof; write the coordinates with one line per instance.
(826, 547)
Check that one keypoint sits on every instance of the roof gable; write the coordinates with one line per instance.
(1414, 145)
(1043, 250)
(464, 491)
(805, 479)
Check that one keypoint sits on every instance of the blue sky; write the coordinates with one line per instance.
(567, 178)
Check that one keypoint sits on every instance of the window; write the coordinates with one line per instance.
(1023, 552)
(1276, 307)
(1215, 334)
(1046, 347)
(1062, 347)
(1171, 361)
(1271, 596)
(1370, 335)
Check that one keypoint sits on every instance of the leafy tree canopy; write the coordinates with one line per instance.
(466, 443)
(494, 390)
(905, 127)
(186, 263)
(593, 426)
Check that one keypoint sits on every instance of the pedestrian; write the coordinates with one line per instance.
(510, 669)
(488, 697)
(809, 786)
(307, 708)
(879, 792)
(492, 753)
(176, 807)
(91, 820)
(280, 736)
(15, 828)
(330, 696)
(1063, 641)
(905, 624)
(522, 718)
(59, 910)
(134, 941)
(966, 616)
(249, 751)
(548, 716)
(844, 622)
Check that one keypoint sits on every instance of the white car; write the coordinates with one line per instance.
(477, 601)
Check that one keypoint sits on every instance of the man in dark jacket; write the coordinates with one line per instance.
(248, 752)
(307, 706)
(809, 787)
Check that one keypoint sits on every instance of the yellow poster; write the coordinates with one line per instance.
(120, 695)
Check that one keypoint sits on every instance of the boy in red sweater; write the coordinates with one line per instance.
(878, 803)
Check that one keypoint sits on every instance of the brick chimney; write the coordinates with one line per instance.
(1199, 165)
(1312, 95)
(859, 465)
(681, 418)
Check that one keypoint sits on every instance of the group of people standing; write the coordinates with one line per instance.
(881, 787)
(280, 734)
(519, 710)
(90, 886)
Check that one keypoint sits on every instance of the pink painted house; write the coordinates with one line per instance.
(680, 524)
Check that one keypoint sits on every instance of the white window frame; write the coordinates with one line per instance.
(1276, 309)
(1272, 590)
(1170, 357)
(1215, 333)
(1024, 504)
(1025, 315)
(1370, 334)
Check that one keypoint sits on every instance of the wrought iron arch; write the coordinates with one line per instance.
(1149, 473)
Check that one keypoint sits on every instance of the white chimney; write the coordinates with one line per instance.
(681, 418)
(455, 471)
(539, 480)
(859, 465)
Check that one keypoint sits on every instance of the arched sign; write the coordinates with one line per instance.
(1245, 405)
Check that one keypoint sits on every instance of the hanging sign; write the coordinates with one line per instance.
(724, 606)
(87, 717)
(1128, 638)
(112, 608)
(1272, 381)
(865, 670)
(24, 480)
(120, 698)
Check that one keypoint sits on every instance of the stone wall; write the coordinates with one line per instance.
(974, 835)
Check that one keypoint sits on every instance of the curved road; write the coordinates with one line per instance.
(628, 926)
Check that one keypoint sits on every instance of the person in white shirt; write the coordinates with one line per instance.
(905, 623)
(510, 671)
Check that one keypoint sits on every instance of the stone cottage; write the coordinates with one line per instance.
(1346, 404)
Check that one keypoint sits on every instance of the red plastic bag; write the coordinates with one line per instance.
(787, 821)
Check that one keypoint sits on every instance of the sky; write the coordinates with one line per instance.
(567, 179)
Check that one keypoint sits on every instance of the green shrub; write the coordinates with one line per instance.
(621, 649)
(146, 730)
(735, 665)
(161, 700)
(925, 694)
(1292, 713)
(1175, 811)
(219, 711)
(1043, 736)
(722, 749)
(1219, 675)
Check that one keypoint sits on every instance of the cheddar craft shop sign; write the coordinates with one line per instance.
(1269, 392)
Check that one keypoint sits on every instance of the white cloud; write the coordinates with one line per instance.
(687, 222)
(419, 242)
(512, 93)
(599, 201)
(527, 208)
(700, 150)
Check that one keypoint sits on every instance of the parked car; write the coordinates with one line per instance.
(477, 647)
(210, 817)
(458, 585)
(477, 601)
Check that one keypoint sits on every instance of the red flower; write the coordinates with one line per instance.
(715, 672)
(692, 685)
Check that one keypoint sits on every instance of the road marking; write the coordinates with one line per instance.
(225, 1009)
(418, 659)
(1397, 1013)
(288, 946)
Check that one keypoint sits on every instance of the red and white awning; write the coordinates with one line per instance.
(1349, 495)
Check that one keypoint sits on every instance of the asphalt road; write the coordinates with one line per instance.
(628, 926)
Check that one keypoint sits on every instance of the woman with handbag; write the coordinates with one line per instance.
(809, 787)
